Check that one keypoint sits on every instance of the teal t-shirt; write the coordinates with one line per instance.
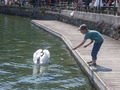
(94, 35)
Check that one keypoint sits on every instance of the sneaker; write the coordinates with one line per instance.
(93, 64)
(89, 62)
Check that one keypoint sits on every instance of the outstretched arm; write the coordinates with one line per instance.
(80, 44)
(88, 44)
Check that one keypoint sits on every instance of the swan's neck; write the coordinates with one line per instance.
(42, 53)
(38, 60)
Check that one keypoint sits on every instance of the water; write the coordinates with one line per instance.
(19, 39)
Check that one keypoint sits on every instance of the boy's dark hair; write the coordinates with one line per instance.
(83, 27)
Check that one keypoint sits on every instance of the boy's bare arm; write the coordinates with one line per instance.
(88, 44)
(80, 44)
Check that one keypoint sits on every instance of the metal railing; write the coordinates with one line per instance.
(64, 5)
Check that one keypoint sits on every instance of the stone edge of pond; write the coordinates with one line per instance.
(95, 79)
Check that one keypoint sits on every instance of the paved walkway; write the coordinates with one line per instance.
(107, 74)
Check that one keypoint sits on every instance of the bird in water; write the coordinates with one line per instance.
(41, 56)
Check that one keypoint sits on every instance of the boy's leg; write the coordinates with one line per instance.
(94, 52)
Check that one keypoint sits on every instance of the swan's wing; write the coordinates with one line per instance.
(47, 53)
(37, 55)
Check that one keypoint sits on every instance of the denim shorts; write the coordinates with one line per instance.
(96, 48)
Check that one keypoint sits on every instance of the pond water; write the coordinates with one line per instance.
(19, 39)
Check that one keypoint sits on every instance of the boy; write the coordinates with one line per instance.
(93, 36)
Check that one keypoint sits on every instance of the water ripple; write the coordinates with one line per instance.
(71, 85)
(4, 72)
(12, 50)
(16, 65)
(68, 83)
(60, 71)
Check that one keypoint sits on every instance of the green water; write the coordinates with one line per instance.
(19, 39)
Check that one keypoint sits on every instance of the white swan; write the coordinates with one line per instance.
(41, 56)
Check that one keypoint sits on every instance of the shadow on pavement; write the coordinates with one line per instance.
(101, 68)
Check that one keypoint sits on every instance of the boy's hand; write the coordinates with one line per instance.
(85, 46)
(73, 48)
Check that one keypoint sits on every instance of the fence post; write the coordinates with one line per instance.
(115, 7)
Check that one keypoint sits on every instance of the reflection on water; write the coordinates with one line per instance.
(39, 69)
(41, 75)
(19, 39)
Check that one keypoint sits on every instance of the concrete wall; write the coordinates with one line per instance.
(94, 17)
(106, 24)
